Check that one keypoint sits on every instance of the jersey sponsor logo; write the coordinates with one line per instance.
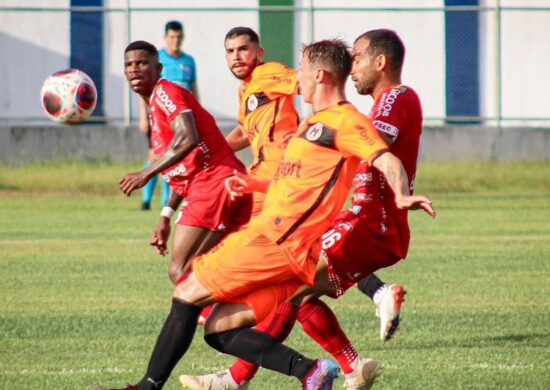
(165, 103)
(364, 133)
(178, 170)
(289, 168)
(346, 226)
(386, 104)
(314, 132)
(386, 128)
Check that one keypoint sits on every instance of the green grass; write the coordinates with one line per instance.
(83, 297)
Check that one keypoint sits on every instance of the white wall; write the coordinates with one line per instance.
(33, 45)
(36, 44)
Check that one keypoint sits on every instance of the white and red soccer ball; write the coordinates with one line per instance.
(69, 96)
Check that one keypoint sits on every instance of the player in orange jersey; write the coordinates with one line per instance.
(267, 116)
(273, 258)
(373, 234)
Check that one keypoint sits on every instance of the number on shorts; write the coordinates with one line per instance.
(330, 238)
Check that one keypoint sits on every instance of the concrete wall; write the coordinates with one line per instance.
(20, 145)
(36, 43)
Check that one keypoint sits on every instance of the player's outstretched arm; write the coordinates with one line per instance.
(396, 176)
(237, 139)
(241, 183)
(161, 234)
(185, 140)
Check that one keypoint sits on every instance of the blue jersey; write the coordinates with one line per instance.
(180, 70)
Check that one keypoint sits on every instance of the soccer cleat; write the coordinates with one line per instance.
(389, 311)
(129, 387)
(218, 381)
(321, 376)
(370, 371)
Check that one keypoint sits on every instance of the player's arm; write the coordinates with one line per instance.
(237, 139)
(185, 139)
(396, 176)
(143, 116)
(160, 236)
(241, 183)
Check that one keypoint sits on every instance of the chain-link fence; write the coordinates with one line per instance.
(472, 64)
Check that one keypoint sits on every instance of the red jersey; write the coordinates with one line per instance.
(397, 114)
(169, 100)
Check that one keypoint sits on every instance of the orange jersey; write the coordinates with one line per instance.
(313, 180)
(267, 115)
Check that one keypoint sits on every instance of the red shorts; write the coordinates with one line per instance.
(208, 205)
(353, 251)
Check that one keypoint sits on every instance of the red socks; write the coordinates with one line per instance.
(278, 325)
(320, 323)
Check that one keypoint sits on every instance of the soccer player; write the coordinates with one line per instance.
(267, 116)
(178, 67)
(268, 261)
(193, 157)
(373, 234)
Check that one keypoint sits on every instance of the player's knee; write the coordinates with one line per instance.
(220, 340)
(177, 269)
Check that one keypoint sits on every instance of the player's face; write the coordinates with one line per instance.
(173, 40)
(242, 56)
(363, 71)
(142, 70)
(306, 79)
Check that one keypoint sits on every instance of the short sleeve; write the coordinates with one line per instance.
(274, 79)
(358, 137)
(389, 115)
(172, 99)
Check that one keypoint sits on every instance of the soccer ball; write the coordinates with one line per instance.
(69, 96)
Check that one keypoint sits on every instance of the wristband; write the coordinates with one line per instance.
(167, 212)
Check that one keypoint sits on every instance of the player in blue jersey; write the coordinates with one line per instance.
(180, 68)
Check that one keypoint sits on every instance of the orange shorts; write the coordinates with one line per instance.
(249, 269)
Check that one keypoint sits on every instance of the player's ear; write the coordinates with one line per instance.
(260, 54)
(380, 61)
(159, 67)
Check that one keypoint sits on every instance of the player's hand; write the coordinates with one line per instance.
(131, 182)
(160, 236)
(238, 184)
(416, 202)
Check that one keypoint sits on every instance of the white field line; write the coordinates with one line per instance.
(118, 370)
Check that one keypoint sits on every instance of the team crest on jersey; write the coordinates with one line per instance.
(314, 132)
(252, 103)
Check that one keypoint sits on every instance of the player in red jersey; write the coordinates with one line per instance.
(193, 157)
(373, 234)
(397, 115)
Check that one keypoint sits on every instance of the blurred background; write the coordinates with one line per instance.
(479, 66)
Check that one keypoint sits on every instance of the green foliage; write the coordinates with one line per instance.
(83, 296)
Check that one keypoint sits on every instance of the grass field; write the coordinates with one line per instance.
(83, 296)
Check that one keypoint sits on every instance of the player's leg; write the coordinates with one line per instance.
(148, 190)
(165, 193)
(189, 242)
(388, 300)
(225, 331)
(278, 325)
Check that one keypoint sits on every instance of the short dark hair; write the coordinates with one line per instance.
(173, 25)
(238, 31)
(333, 53)
(388, 43)
(142, 45)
